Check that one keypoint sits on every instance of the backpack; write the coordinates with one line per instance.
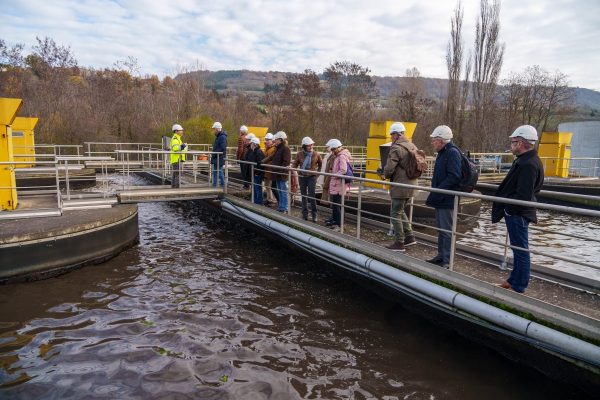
(416, 163)
(350, 173)
(469, 171)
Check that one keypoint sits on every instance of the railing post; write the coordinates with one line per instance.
(453, 237)
(289, 199)
(342, 205)
(410, 210)
(210, 170)
(226, 173)
(56, 172)
(504, 264)
(358, 207)
(194, 158)
(252, 182)
(67, 180)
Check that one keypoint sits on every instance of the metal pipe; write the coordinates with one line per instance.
(523, 329)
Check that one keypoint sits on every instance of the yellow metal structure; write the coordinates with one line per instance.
(555, 152)
(378, 135)
(259, 132)
(8, 190)
(23, 140)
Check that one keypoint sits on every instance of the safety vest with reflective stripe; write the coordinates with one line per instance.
(177, 153)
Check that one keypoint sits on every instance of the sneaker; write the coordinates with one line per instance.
(409, 240)
(330, 222)
(435, 260)
(396, 246)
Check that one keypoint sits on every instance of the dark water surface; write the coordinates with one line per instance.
(202, 308)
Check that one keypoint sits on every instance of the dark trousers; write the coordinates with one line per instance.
(176, 174)
(336, 208)
(308, 186)
(518, 231)
(258, 190)
(274, 188)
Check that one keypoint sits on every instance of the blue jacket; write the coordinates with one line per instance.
(446, 175)
(220, 146)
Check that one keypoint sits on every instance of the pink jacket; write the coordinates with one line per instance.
(340, 165)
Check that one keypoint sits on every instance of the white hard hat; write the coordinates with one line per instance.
(443, 132)
(177, 127)
(217, 125)
(526, 132)
(334, 143)
(397, 127)
(307, 141)
(269, 136)
(250, 136)
(280, 135)
(255, 140)
(244, 128)
(328, 144)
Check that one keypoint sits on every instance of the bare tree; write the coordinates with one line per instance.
(488, 55)
(349, 94)
(412, 101)
(454, 63)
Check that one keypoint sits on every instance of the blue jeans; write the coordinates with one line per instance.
(282, 202)
(443, 220)
(221, 176)
(258, 190)
(518, 227)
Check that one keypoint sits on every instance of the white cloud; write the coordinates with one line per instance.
(386, 36)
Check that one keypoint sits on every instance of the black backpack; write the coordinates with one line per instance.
(469, 171)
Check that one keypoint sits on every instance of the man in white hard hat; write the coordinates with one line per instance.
(395, 171)
(177, 158)
(241, 149)
(447, 173)
(218, 160)
(522, 182)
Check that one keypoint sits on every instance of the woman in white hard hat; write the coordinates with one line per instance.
(269, 182)
(341, 164)
(282, 158)
(255, 155)
(308, 160)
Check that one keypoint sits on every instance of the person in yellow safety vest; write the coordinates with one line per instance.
(178, 149)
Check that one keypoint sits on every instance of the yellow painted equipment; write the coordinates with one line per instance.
(557, 147)
(378, 135)
(259, 132)
(8, 191)
(23, 140)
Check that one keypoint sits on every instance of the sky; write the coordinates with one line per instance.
(388, 37)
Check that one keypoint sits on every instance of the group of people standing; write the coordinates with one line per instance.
(524, 179)
(522, 182)
(271, 174)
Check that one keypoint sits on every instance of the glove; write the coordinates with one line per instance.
(183, 146)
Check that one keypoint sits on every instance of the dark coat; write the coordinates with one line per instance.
(255, 156)
(220, 146)
(523, 181)
(447, 173)
(395, 168)
(282, 158)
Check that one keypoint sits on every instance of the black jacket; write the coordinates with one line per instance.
(255, 156)
(523, 181)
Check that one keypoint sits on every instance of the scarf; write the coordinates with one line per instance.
(307, 160)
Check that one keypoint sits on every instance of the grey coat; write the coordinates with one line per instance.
(394, 169)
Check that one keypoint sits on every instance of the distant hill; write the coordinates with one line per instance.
(253, 82)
